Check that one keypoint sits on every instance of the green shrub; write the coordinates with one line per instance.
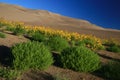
(1, 24)
(57, 43)
(10, 28)
(30, 32)
(92, 44)
(89, 43)
(59, 77)
(2, 35)
(77, 43)
(114, 48)
(111, 71)
(79, 59)
(37, 36)
(18, 30)
(80, 43)
(31, 55)
(110, 42)
(4, 24)
(9, 74)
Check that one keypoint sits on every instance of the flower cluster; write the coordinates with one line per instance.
(95, 42)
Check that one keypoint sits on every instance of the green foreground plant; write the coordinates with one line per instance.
(37, 36)
(57, 43)
(79, 59)
(17, 30)
(111, 71)
(2, 35)
(59, 77)
(31, 55)
(114, 48)
(9, 74)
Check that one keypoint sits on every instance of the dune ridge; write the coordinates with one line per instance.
(42, 17)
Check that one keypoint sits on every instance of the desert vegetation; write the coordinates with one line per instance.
(18, 28)
(111, 70)
(79, 59)
(2, 35)
(77, 52)
(36, 55)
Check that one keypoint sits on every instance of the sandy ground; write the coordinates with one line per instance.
(10, 40)
(56, 21)
(106, 56)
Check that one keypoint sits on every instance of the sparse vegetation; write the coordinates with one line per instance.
(90, 43)
(59, 77)
(111, 71)
(19, 28)
(79, 59)
(77, 51)
(80, 43)
(110, 42)
(31, 55)
(114, 48)
(57, 43)
(2, 35)
(9, 74)
(37, 36)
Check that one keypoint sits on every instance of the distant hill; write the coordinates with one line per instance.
(43, 17)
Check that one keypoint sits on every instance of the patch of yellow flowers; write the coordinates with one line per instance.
(51, 32)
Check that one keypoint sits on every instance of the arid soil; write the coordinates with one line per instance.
(56, 21)
(10, 40)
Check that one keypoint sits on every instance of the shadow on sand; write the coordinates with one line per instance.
(36, 75)
(56, 57)
(110, 58)
(6, 56)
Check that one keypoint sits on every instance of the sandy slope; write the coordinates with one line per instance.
(56, 21)
(10, 40)
(42, 17)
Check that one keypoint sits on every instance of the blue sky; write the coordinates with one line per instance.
(105, 13)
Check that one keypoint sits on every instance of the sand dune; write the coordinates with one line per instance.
(42, 17)
(53, 20)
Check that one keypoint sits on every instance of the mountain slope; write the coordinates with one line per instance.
(42, 17)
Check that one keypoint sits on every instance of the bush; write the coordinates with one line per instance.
(1, 24)
(30, 32)
(37, 36)
(2, 35)
(111, 71)
(79, 59)
(60, 77)
(57, 43)
(17, 30)
(114, 48)
(10, 28)
(9, 74)
(31, 55)
(80, 43)
(93, 44)
(111, 42)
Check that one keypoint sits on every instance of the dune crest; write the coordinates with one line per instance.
(43, 17)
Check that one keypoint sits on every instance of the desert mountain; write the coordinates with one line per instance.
(42, 17)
